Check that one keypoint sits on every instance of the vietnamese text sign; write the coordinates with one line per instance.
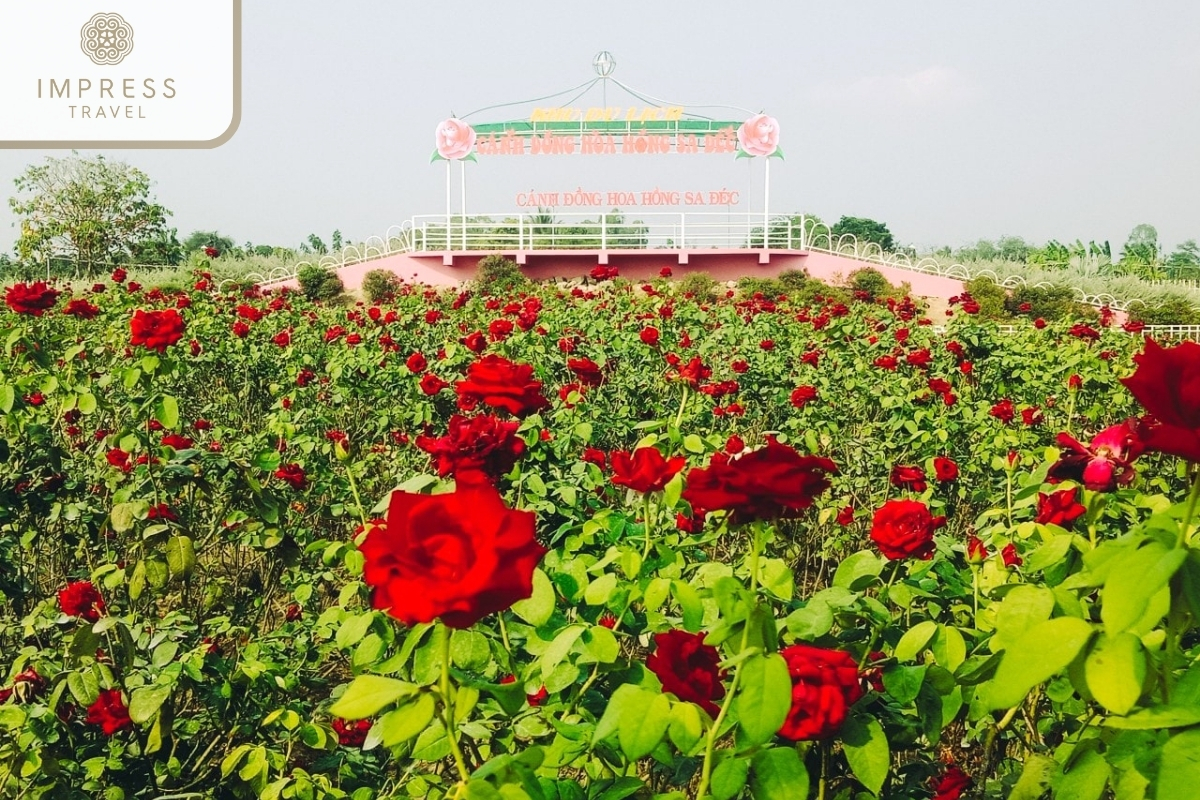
(119, 73)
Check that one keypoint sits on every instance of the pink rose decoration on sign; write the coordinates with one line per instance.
(759, 135)
(455, 139)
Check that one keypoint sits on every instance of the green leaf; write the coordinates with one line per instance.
(599, 590)
(559, 648)
(693, 444)
(181, 557)
(765, 697)
(407, 721)
(1049, 554)
(689, 602)
(1179, 773)
(145, 702)
(539, 606)
(779, 774)
(624, 696)
(166, 411)
(811, 622)
(1034, 778)
(1115, 670)
(866, 749)
(858, 570)
(949, 649)
(1133, 581)
(685, 729)
(1039, 654)
(600, 645)
(368, 694)
(469, 650)
(1021, 609)
(1087, 777)
(1152, 719)
(729, 777)
(122, 516)
(915, 639)
(904, 683)
(776, 577)
(8, 396)
(87, 403)
(641, 728)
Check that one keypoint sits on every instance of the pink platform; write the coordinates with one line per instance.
(450, 269)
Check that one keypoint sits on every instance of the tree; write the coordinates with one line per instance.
(85, 213)
(163, 249)
(1185, 261)
(1141, 254)
(198, 240)
(864, 230)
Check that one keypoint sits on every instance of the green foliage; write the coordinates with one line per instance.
(770, 288)
(498, 276)
(1174, 310)
(698, 285)
(865, 231)
(86, 214)
(871, 281)
(198, 240)
(992, 298)
(1048, 302)
(380, 284)
(319, 283)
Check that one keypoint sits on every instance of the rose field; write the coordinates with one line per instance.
(592, 540)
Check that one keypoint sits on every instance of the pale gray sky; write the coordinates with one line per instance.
(948, 120)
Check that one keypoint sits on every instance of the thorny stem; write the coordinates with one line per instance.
(710, 743)
(448, 710)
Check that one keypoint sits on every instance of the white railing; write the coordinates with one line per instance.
(577, 231)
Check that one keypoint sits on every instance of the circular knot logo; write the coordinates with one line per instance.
(107, 39)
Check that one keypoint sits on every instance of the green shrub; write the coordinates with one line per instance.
(991, 297)
(699, 285)
(498, 275)
(769, 287)
(318, 283)
(1047, 302)
(793, 280)
(380, 284)
(871, 281)
(1173, 310)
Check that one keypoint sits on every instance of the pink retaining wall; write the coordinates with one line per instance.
(451, 269)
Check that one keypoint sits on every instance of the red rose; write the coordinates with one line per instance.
(688, 668)
(665, 272)
(585, 370)
(351, 734)
(904, 529)
(940, 385)
(770, 482)
(952, 784)
(109, 712)
(416, 363)
(81, 308)
(293, 475)
(976, 550)
(118, 275)
(1104, 464)
(283, 338)
(739, 366)
(592, 455)
(457, 556)
(500, 329)
(293, 613)
(1167, 384)
(499, 383)
(945, 469)
(81, 599)
(825, 684)
(886, 362)
(35, 298)
(908, 477)
(176, 442)
(431, 384)
(483, 444)
(802, 394)
(919, 358)
(156, 330)
(1134, 326)
(27, 685)
(646, 470)
(1003, 411)
(734, 444)
(1031, 416)
(1060, 508)
(650, 336)
(694, 372)
(1010, 556)
(118, 458)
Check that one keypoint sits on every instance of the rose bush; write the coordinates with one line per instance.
(315, 571)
